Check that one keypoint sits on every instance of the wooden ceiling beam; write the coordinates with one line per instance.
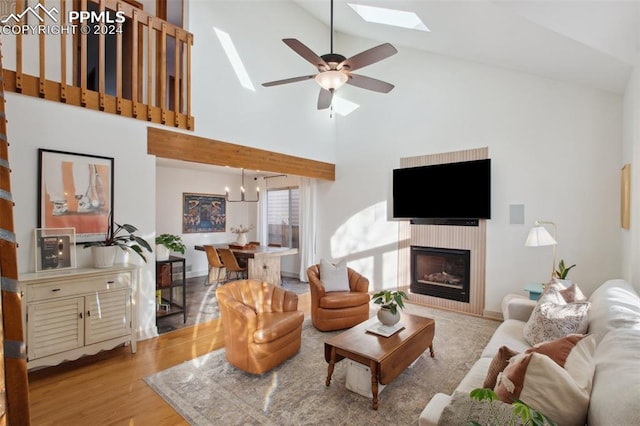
(181, 146)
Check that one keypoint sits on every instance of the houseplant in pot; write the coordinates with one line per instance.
(389, 302)
(166, 243)
(561, 273)
(103, 252)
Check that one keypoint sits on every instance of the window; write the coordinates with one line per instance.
(283, 216)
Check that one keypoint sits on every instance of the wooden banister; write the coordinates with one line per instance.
(164, 104)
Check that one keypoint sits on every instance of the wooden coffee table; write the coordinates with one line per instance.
(387, 357)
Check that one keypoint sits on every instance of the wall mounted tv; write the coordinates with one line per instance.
(443, 192)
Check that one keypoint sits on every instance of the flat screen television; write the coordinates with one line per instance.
(444, 191)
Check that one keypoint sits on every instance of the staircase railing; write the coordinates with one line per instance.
(106, 55)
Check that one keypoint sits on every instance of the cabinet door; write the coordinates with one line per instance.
(108, 315)
(54, 327)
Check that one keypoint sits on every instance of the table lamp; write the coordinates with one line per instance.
(539, 237)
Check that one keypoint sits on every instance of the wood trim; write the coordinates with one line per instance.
(14, 366)
(90, 99)
(181, 146)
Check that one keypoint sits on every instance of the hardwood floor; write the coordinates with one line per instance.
(109, 388)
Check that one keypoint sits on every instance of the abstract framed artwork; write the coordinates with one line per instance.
(75, 191)
(203, 213)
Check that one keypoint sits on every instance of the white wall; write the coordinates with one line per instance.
(171, 183)
(282, 118)
(555, 148)
(631, 154)
(35, 123)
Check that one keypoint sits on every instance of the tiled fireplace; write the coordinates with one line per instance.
(470, 291)
(440, 272)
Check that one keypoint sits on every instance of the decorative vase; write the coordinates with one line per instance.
(242, 239)
(103, 256)
(162, 252)
(386, 317)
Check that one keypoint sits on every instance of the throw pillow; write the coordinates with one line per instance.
(499, 362)
(462, 410)
(553, 317)
(541, 383)
(559, 349)
(334, 276)
(573, 294)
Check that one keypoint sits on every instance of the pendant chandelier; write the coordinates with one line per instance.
(242, 194)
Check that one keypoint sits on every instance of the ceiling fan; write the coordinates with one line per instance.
(334, 70)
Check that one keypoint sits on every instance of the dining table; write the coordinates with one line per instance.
(263, 262)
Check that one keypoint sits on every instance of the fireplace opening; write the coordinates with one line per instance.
(440, 272)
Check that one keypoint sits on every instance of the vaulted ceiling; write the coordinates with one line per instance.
(587, 42)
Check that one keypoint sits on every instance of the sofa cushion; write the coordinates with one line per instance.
(274, 325)
(614, 398)
(334, 276)
(498, 364)
(541, 383)
(553, 317)
(615, 304)
(509, 333)
(474, 378)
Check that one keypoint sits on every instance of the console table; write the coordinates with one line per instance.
(165, 286)
(70, 313)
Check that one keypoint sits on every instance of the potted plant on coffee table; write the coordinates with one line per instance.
(166, 243)
(389, 302)
(104, 252)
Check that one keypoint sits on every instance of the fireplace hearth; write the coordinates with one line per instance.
(440, 272)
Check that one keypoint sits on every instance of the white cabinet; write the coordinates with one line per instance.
(68, 314)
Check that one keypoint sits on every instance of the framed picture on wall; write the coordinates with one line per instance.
(55, 248)
(203, 213)
(75, 191)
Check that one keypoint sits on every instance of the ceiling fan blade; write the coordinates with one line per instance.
(306, 53)
(369, 83)
(288, 80)
(324, 99)
(369, 57)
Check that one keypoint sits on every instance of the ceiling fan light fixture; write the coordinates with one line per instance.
(332, 79)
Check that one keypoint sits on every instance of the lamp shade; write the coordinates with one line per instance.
(538, 237)
(332, 79)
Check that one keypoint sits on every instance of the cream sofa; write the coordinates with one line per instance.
(614, 320)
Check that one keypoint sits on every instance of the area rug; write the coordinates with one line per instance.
(207, 390)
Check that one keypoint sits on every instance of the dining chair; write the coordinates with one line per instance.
(216, 269)
(231, 264)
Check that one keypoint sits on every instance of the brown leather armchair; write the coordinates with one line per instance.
(339, 309)
(261, 322)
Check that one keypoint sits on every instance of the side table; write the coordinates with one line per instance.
(166, 285)
(535, 290)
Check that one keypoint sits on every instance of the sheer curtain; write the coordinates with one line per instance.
(262, 227)
(307, 248)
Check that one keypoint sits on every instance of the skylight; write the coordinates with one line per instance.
(395, 18)
(343, 107)
(234, 58)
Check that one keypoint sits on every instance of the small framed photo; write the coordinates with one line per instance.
(55, 248)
